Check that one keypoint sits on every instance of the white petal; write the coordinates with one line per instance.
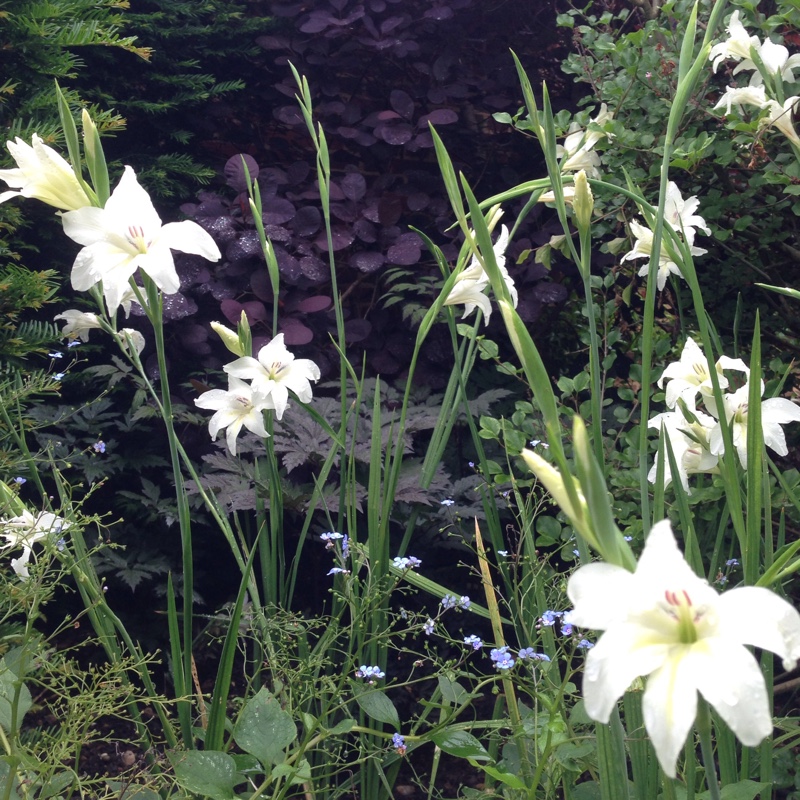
(622, 654)
(85, 226)
(189, 237)
(670, 706)
(600, 593)
(728, 676)
(755, 615)
(130, 205)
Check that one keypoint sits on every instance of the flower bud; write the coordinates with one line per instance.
(229, 338)
(583, 201)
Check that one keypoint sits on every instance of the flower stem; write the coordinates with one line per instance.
(706, 748)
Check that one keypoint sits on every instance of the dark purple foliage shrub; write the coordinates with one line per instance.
(382, 71)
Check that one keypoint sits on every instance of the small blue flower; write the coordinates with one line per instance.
(55, 355)
(399, 744)
(576, 552)
(464, 602)
(447, 502)
(548, 619)
(60, 545)
(345, 546)
(732, 562)
(427, 628)
(473, 640)
(99, 446)
(328, 538)
(503, 553)
(585, 644)
(370, 672)
(471, 464)
(20, 480)
(530, 653)
(628, 538)
(448, 601)
(502, 658)
(59, 376)
(74, 343)
(405, 562)
(566, 629)
(338, 571)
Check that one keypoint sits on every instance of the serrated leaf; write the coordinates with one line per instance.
(264, 729)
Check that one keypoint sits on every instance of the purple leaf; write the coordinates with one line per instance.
(295, 333)
(367, 261)
(314, 269)
(297, 172)
(402, 103)
(388, 25)
(344, 212)
(231, 310)
(235, 174)
(340, 238)
(406, 251)
(424, 139)
(438, 13)
(348, 133)
(395, 134)
(307, 221)
(354, 186)
(289, 115)
(441, 116)
(277, 210)
(385, 116)
(377, 6)
(418, 200)
(247, 245)
(256, 311)
(356, 330)
(390, 208)
(549, 292)
(317, 22)
(312, 305)
(365, 231)
(288, 265)
(338, 4)
(260, 285)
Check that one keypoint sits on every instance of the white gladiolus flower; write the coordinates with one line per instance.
(43, 174)
(736, 46)
(275, 372)
(690, 446)
(744, 96)
(775, 412)
(471, 282)
(680, 213)
(780, 117)
(665, 622)
(127, 235)
(577, 151)
(79, 323)
(691, 375)
(24, 531)
(237, 407)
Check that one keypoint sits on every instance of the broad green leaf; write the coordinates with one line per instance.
(8, 688)
(456, 742)
(264, 729)
(452, 691)
(508, 778)
(132, 791)
(377, 706)
(208, 773)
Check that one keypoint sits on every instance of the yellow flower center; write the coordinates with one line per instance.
(275, 370)
(681, 609)
(136, 238)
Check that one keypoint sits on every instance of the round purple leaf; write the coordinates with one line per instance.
(231, 310)
(277, 210)
(234, 172)
(365, 231)
(441, 116)
(356, 330)
(312, 305)
(405, 252)
(367, 260)
(402, 103)
(295, 333)
(354, 186)
(395, 134)
(417, 201)
(256, 311)
(307, 221)
(314, 269)
(260, 285)
(340, 238)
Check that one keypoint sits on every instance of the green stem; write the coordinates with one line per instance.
(707, 748)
